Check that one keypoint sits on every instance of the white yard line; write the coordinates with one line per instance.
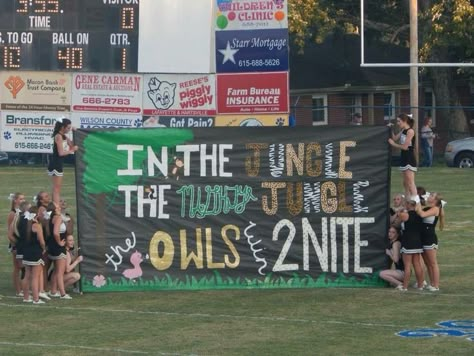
(69, 346)
(200, 315)
(226, 316)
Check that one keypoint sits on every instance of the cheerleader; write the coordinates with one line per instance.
(398, 206)
(32, 231)
(411, 245)
(57, 253)
(394, 276)
(14, 235)
(62, 147)
(67, 218)
(408, 165)
(71, 277)
(431, 214)
(16, 199)
(43, 201)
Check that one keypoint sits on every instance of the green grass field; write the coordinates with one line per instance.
(342, 321)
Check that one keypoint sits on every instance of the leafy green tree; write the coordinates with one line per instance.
(102, 160)
(446, 29)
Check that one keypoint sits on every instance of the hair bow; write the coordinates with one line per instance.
(426, 195)
(410, 116)
(443, 203)
(60, 119)
(65, 218)
(11, 197)
(29, 216)
(47, 215)
(35, 199)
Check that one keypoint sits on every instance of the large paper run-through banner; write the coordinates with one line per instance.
(214, 208)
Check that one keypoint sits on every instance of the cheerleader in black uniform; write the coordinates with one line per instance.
(15, 235)
(408, 165)
(62, 147)
(57, 253)
(394, 276)
(431, 214)
(67, 218)
(411, 245)
(16, 199)
(71, 276)
(42, 202)
(33, 251)
(398, 206)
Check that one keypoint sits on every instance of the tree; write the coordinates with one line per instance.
(98, 179)
(448, 37)
(446, 29)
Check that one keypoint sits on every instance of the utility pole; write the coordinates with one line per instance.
(414, 68)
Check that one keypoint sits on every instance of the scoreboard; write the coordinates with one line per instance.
(69, 35)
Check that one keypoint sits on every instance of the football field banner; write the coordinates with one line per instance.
(220, 208)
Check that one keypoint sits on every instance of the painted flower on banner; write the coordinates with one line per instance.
(7, 135)
(99, 281)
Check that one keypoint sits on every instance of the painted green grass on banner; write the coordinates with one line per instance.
(218, 282)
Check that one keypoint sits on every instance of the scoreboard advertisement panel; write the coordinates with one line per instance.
(69, 35)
